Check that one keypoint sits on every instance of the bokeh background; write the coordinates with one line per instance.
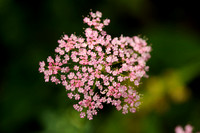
(29, 31)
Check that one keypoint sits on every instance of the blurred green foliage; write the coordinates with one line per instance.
(29, 31)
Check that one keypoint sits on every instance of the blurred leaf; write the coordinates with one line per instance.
(65, 121)
(172, 48)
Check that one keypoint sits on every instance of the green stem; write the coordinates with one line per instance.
(93, 87)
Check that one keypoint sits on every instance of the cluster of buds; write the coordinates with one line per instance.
(98, 69)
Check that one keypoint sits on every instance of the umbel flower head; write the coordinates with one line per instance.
(97, 69)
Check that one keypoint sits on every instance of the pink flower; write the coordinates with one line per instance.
(77, 96)
(76, 68)
(84, 69)
(82, 114)
(92, 14)
(88, 32)
(106, 21)
(70, 95)
(86, 20)
(42, 64)
(99, 69)
(71, 75)
(98, 14)
(109, 59)
(50, 59)
(188, 129)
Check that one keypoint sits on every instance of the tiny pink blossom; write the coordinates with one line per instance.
(76, 68)
(106, 21)
(77, 97)
(50, 59)
(98, 14)
(84, 69)
(92, 14)
(86, 20)
(42, 64)
(70, 95)
(71, 75)
(82, 114)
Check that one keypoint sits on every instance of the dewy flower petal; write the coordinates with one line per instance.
(97, 69)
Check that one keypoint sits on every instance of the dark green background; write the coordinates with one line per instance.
(29, 31)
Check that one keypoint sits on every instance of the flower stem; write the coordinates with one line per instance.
(93, 87)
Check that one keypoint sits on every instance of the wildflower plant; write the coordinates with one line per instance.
(97, 69)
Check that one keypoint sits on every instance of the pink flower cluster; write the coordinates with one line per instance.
(99, 69)
(188, 129)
